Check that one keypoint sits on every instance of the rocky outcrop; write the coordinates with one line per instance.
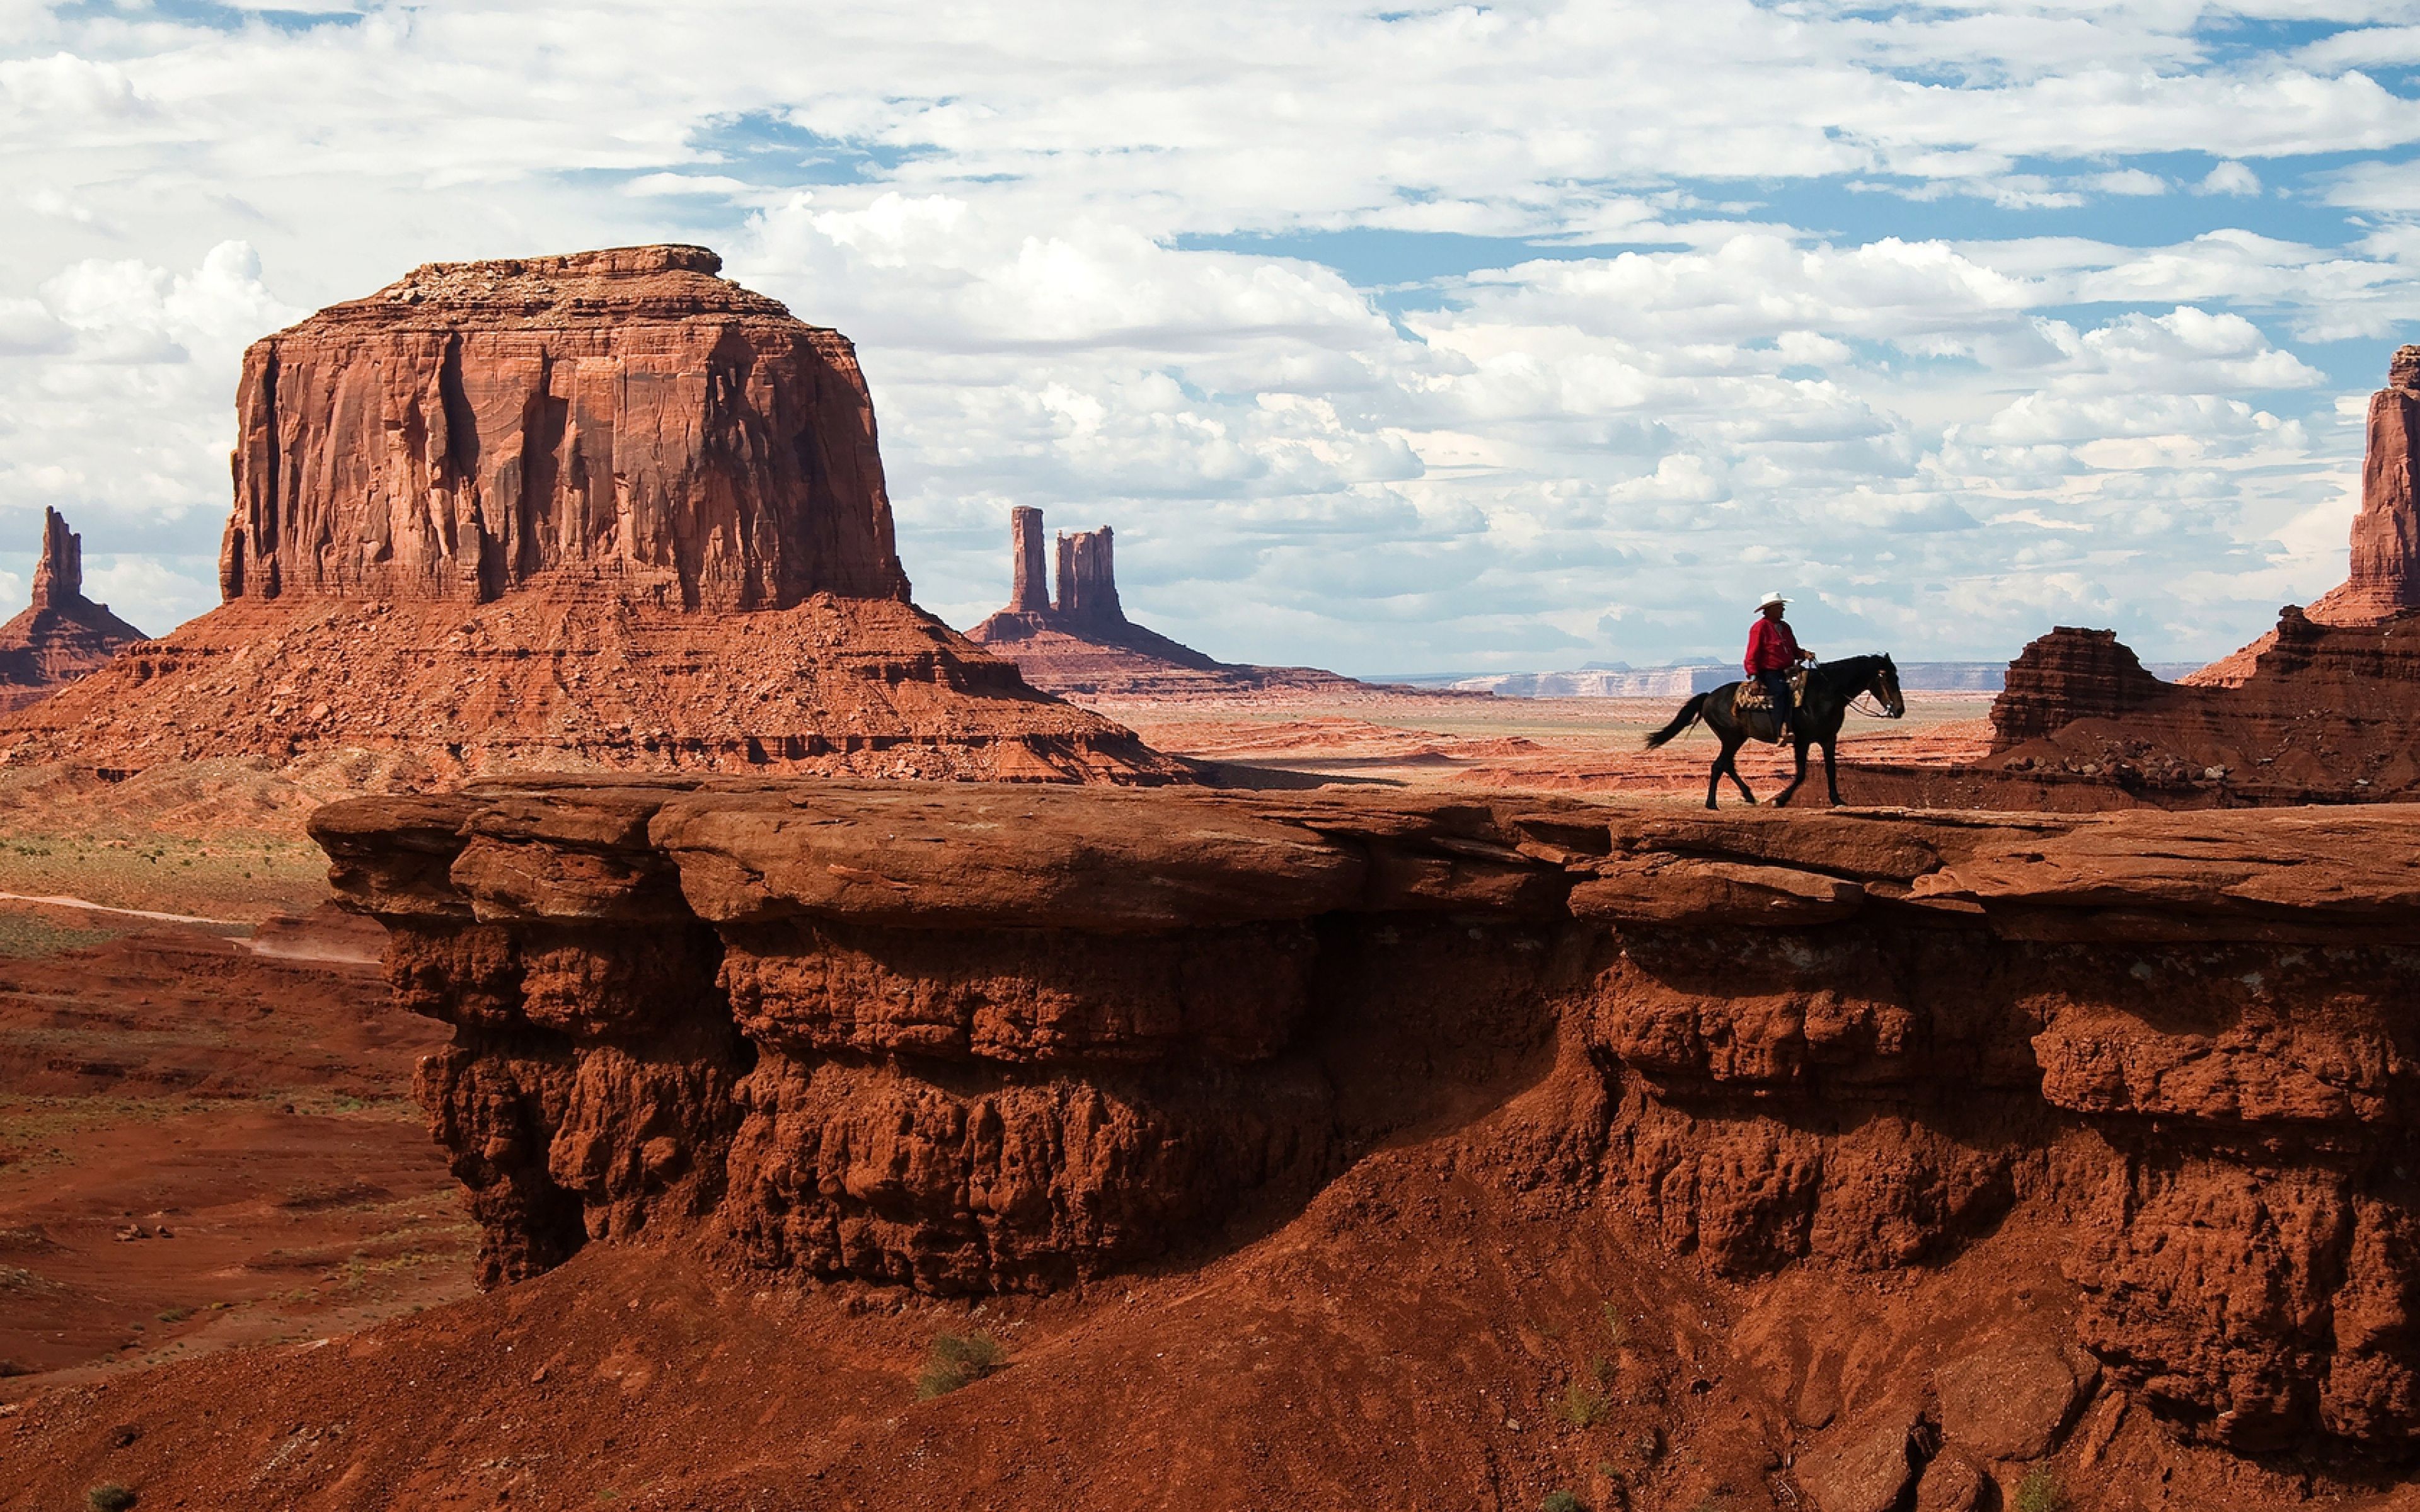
(602, 510)
(2327, 714)
(972, 1040)
(2385, 578)
(1082, 645)
(623, 421)
(62, 635)
(2067, 675)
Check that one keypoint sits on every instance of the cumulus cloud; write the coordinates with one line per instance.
(1451, 337)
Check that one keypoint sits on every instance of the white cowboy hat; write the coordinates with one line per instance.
(1768, 601)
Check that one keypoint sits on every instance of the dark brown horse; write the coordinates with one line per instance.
(1830, 686)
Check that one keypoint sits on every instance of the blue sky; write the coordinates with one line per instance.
(1388, 338)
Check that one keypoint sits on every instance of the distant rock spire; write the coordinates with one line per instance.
(62, 635)
(1030, 591)
(58, 577)
(1088, 577)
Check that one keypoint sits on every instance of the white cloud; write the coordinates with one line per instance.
(150, 595)
(2131, 181)
(1908, 407)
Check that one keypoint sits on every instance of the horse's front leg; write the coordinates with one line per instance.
(1831, 775)
(1730, 761)
(1801, 777)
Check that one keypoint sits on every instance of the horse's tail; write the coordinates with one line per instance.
(1689, 715)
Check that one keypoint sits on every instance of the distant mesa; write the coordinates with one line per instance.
(1080, 643)
(62, 635)
(599, 510)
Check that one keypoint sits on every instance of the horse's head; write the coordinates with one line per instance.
(1884, 686)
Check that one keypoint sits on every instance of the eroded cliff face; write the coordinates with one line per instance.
(968, 1041)
(622, 419)
(2325, 713)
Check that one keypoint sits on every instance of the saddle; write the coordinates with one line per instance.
(1752, 704)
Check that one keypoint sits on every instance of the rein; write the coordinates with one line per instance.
(1863, 699)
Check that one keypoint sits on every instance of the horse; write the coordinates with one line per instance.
(1830, 686)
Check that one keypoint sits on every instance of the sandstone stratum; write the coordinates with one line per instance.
(62, 635)
(1913, 1151)
(602, 510)
(1080, 643)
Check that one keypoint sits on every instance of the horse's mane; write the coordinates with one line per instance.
(1860, 667)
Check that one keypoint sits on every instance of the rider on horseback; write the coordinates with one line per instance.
(1773, 653)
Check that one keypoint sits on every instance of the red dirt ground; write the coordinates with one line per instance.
(202, 1146)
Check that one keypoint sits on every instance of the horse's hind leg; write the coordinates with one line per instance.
(1713, 782)
(1831, 777)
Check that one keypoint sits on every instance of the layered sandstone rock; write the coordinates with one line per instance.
(2066, 675)
(970, 1040)
(624, 421)
(62, 635)
(1082, 645)
(2327, 713)
(597, 510)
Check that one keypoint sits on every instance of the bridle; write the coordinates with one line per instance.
(1866, 701)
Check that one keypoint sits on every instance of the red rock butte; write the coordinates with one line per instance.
(605, 509)
(1082, 645)
(62, 635)
(622, 419)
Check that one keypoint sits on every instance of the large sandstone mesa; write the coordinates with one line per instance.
(1080, 643)
(624, 418)
(602, 510)
(62, 635)
(971, 1039)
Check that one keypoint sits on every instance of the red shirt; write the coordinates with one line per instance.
(1771, 647)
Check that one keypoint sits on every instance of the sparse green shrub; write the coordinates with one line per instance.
(176, 1315)
(958, 1360)
(1614, 1329)
(109, 1496)
(2041, 1492)
(1584, 1406)
(1561, 1501)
